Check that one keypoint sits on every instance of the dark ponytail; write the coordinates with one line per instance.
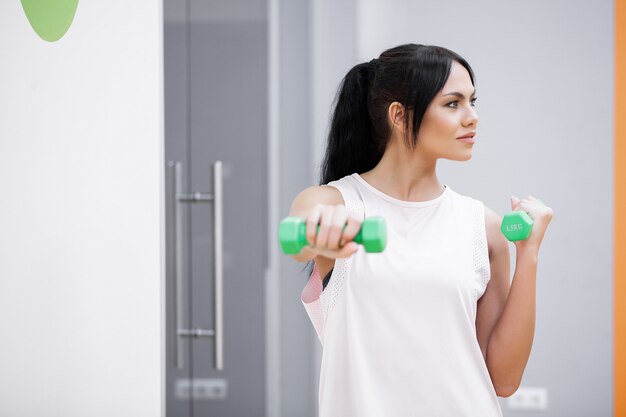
(351, 146)
(409, 74)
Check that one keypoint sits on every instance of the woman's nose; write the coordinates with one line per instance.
(471, 118)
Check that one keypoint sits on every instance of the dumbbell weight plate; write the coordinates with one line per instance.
(517, 226)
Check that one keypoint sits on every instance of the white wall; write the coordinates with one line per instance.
(545, 100)
(80, 202)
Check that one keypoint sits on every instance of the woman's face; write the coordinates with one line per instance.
(450, 121)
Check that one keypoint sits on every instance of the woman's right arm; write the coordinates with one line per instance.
(324, 206)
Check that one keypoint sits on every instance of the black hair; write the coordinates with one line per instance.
(409, 74)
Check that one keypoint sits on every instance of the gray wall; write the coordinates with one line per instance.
(317, 45)
(292, 94)
(545, 87)
(296, 340)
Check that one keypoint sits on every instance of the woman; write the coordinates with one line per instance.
(432, 326)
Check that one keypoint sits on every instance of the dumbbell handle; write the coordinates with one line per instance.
(358, 238)
(292, 235)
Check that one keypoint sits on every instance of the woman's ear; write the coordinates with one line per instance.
(396, 114)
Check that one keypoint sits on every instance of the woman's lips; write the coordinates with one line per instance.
(468, 137)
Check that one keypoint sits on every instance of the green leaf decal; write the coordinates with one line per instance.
(50, 18)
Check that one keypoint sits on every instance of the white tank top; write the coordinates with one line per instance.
(398, 328)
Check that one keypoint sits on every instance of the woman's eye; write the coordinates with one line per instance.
(453, 104)
(473, 102)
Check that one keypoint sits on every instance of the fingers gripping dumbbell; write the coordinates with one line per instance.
(517, 225)
(292, 235)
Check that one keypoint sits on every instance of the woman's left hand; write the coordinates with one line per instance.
(541, 215)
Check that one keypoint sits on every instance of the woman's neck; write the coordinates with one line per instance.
(405, 175)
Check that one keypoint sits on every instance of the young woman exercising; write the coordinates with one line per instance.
(432, 326)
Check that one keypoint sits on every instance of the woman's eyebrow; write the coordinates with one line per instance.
(459, 95)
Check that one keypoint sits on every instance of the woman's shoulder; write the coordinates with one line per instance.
(466, 199)
(328, 194)
(325, 194)
(317, 194)
(492, 218)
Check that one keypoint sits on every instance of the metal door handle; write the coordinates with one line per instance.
(218, 264)
(177, 186)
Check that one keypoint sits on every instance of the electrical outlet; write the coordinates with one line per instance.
(182, 389)
(201, 389)
(527, 398)
(210, 389)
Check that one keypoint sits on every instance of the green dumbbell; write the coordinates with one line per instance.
(517, 225)
(292, 235)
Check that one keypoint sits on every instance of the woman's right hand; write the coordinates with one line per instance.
(324, 206)
(332, 240)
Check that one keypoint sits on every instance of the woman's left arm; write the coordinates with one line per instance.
(505, 320)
